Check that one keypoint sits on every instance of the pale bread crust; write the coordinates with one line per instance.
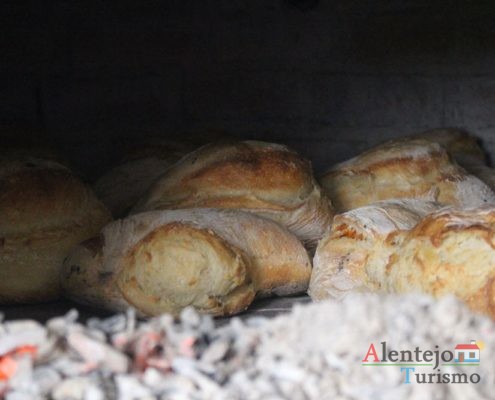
(459, 143)
(465, 149)
(275, 261)
(404, 169)
(354, 254)
(484, 173)
(451, 251)
(178, 265)
(262, 178)
(44, 211)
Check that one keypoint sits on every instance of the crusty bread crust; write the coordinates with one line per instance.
(275, 261)
(459, 143)
(404, 169)
(354, 254)
(143, 162)
(263, 178)
(451, 251)
(446, 251)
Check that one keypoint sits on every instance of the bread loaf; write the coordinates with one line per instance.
(459, 143)
(263, 178)
(122, 186)
(353, 255)
(174, 146)
(163, 261)
(404, 169)
(142, 163)
(44, 211)
(451, 251)
(483, 173)
(466, 151)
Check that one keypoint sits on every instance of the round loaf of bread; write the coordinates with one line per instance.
(451, 251)
(263, 178)
(44, 211)
(353, 255)
(404, 169)
(163, 261)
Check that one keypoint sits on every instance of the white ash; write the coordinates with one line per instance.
(314, 352)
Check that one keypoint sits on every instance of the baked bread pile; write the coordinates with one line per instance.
(223, 225)
(219, 237)
(216, 227)
(162, 261)
(414, 221)
(354, 253)
(266, 179)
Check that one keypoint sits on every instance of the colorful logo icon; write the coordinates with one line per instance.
(467, 353)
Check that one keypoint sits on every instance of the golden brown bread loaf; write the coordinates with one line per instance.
(163, 261)
(44, 211)
(450, 251)
(404, 169)
(354, 254)
(263, 178)
(459, 143)
(465, 149)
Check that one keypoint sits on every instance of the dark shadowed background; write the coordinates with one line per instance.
(329, 78)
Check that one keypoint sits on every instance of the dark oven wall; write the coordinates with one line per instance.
(329, 78)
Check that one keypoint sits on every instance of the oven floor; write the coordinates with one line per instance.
(42, 312)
